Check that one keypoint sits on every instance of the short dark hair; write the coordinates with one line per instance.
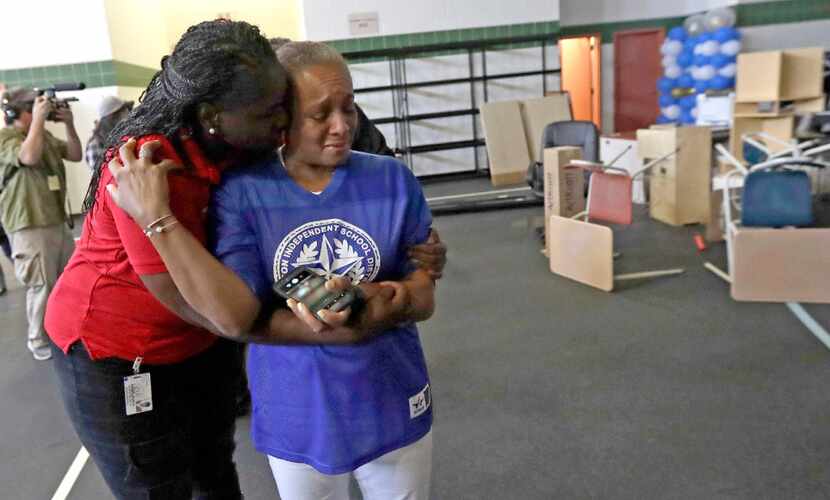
(202, 68)
(16, 100)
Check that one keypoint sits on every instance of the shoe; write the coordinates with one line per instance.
(42, 353)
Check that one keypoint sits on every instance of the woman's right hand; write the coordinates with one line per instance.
(340, 327)
(141, 188)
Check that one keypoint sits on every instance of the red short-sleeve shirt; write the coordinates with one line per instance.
(100, 299)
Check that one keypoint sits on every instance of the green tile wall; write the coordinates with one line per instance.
(94, 74)
(791, 11)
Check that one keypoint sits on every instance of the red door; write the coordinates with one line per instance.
(636, 70)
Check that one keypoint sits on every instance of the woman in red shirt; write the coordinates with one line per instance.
(147, 382)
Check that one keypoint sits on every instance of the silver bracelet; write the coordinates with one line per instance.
(157, 225)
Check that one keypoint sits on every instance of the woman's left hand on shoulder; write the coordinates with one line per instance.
(141, 188)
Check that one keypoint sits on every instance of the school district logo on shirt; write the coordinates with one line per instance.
(333, 247)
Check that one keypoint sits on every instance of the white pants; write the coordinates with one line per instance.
(39, 255)
(403, 474)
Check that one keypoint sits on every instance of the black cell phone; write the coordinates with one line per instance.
(306, 286)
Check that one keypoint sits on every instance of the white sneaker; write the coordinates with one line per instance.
(42, 353)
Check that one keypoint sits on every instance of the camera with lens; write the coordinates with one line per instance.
(50, 93)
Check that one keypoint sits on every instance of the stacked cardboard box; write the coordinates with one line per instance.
(513, 133)
(771, 87)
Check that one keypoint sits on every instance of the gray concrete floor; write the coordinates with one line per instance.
(545, 388)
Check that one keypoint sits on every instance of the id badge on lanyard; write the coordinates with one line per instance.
(138, 392)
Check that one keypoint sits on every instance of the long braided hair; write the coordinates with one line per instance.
(204, 64)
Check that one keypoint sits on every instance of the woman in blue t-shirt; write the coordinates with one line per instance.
(324, 413)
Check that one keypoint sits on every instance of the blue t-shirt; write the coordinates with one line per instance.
(332, 407)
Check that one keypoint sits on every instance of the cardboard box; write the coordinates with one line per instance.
(778, 108)
(780, 127)
(538, 113)
(513, 133)
(506, 143)
(679, 186)
(564, 188)
(780, 75)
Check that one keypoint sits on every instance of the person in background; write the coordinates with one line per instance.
(32, 201)
(111, 110)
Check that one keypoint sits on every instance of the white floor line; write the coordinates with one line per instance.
(810, 323)
(71, 475)
(480, 193)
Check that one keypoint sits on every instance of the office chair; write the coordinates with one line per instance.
(583, 134)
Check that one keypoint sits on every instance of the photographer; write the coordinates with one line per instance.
(32, 199)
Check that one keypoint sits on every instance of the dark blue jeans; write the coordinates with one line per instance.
(182, 448)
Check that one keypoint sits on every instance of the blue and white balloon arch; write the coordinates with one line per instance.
(698, 56)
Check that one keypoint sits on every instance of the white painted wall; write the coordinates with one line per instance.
(576, 12)
(328, 19)
(787, 36)
(52, 32)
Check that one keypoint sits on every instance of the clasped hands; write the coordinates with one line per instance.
(387, 303)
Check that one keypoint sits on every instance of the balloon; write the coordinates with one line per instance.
(721, 60)
(673, 72)
(665, 84)
(706, 72)
(666, 100)
(719, 83)
(677, 33)
(685, 58)
(686, 81)
(701, 60)
(669, 61)
(688, 102)
(729, 71)
(709, 48)
(719, 18)
(662, 120)
(694, 25)
(690, 43)
(694, 112)
(698, 48)
(730, 48)
(701, 86)
(730, 82)
(672, 112)
(672, 48)
(704, 37)
(725, 34)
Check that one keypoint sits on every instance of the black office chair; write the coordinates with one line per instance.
(583, 134)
